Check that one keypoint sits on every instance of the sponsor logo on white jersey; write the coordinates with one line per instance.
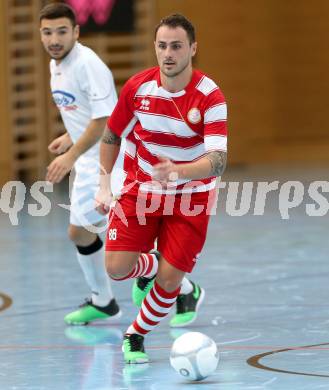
(64, 100)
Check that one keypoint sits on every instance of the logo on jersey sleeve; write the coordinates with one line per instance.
(194, 115)
(64, 100)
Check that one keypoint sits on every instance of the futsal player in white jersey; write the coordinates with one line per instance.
(177, 114)
(83, 89)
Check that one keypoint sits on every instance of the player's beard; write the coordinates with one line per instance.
(178, 72)
(65, 53)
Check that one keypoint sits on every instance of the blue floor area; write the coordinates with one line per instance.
(266, 306)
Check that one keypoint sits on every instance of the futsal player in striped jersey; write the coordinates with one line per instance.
(177, 115)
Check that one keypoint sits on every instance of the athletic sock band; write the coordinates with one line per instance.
(90, 249)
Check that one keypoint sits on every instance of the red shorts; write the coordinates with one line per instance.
(176, 221)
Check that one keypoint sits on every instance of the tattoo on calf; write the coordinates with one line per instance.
(218, 162)
(110, 138)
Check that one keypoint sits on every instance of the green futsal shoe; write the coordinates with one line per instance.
(141, 288)
(89, 312)
(142, 285)
(133, 349)
(187, 306)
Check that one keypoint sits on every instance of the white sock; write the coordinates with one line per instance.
(93, 267)
(186, 286)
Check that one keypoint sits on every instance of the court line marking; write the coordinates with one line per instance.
(6, 301)
(254, 361)
(156, 347)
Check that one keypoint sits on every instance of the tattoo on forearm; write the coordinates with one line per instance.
(218, 162)
(110, 138)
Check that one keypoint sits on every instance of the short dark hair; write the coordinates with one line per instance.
(58, 10)
(177, 20)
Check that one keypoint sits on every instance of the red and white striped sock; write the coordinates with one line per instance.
(155, 307)
(147, 265)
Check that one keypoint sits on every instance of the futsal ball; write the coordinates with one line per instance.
(194, 356)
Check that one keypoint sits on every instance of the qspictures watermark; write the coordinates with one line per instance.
(14, 195)
(240, 198)
(289, 195)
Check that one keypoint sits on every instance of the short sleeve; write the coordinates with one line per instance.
(215, 122)
(96, 80)
(123, 117)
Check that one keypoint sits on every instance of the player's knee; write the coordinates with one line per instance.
(80, 236)
(112, 266)
(115, 275)
(169, 277)
(116, 269)
(73, 233)
(168, 285)
(112, 271)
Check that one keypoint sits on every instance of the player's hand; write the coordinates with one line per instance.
(60, 145)
(103, 201)
(165, 171)
(59, 167)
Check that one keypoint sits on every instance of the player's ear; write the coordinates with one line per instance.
(76, 31)
(194, 47)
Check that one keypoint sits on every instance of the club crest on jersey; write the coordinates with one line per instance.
(194, 115)
(145, 104)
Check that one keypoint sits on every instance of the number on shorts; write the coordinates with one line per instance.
(112, 234)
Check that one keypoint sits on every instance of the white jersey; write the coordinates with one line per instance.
(83, 89)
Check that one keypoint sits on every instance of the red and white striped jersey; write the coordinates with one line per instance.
(181, 126)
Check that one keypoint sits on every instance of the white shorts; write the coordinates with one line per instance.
(84, 188)
(86, 185)
(82, 211)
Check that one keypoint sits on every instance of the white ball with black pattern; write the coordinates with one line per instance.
(194, 355)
